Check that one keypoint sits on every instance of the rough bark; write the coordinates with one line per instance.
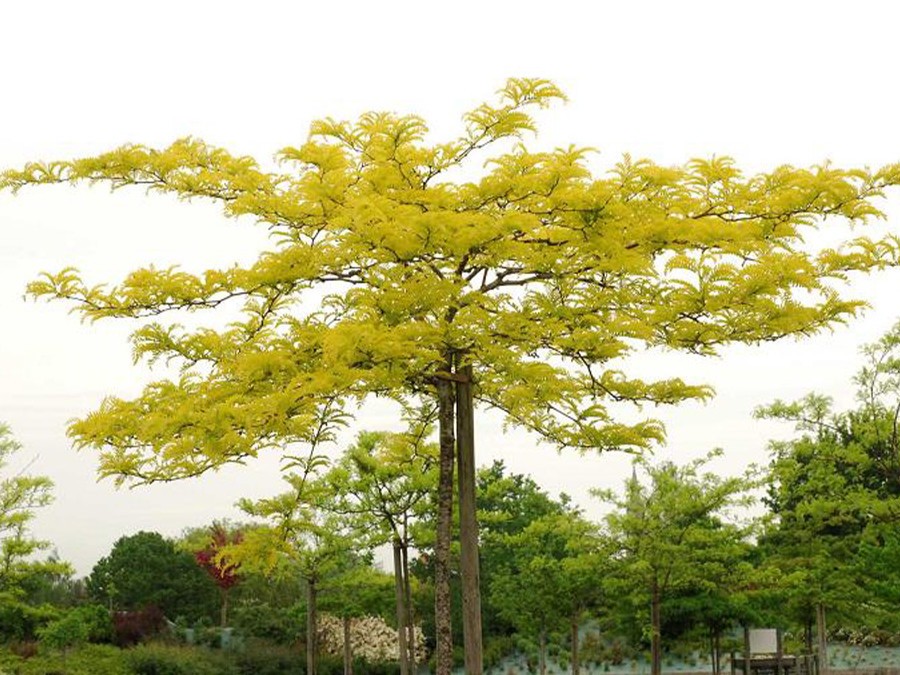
(468, 523)
(442, 609)
(400, 599)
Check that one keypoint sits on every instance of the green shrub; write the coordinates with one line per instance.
(88, 623)
(260, 620)
(87, 660)
(157, 659)
(333, 665)
(20, 621)
(259, 657)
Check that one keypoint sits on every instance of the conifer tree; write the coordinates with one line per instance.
(521, 288)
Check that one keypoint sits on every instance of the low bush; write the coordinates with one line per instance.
(159, 659)
(130, 628)
(277, 624)
(20, 621)
(88, 623)
(260, 657)
(332, 665)
(87, 660)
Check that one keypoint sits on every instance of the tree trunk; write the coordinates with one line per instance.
(348, 651)
(311, 627)
(717, 651)
(410, 623)
(543, 650)
(442, 609)
(746, 650)
(779, 653)
(822, 642)
(809, 637)
(712, 653)
(575, 665)
(400, 599)
(655, 632)
(468, 523)
(223, 612)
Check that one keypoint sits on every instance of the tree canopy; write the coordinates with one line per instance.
(540, 274)
(676, 532)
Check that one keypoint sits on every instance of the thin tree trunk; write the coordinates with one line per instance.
(348, 651)
(717, 650)
(468, 523)
(575, 665)
(410, 623)
(223, 612)
(442, 608)
(311, 627)
(712, 653)
(655, 632)
(746, 650)
(779, 652)
(543, 650)
(399, 596)
(821, 639)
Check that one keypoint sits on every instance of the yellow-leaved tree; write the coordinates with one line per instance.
(521, 288)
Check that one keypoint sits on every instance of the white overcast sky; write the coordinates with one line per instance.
(766, 82)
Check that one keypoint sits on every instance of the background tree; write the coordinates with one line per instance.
(358, 591)
(672, 534)
(212, 558)
(507, 504)
(304, 537)
(521, 289)
(20, 496)
(551, 578)
(381, 481)
(833, 490)
(144, 570)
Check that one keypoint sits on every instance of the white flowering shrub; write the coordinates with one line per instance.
(371, 639)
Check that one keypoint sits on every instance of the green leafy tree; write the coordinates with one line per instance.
(673, 533)
(507, 504)
(834, 492)
(382, 481)
(360, 590)
(20, 496)
(145, 569)
(520, 288)
(304, 536)
(51, 581)
(820, 512)
(551, 579)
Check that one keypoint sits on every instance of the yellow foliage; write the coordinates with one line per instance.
(539, 273)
